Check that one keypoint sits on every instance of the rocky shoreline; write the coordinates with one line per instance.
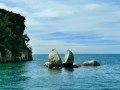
(9, 58)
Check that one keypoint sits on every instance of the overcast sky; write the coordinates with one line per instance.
(83, 26)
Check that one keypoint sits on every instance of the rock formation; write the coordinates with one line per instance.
(13, 42)
(91, 63)
(54, 59)
(75, 65)
(68, 59)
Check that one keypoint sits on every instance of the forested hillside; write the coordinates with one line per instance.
(13, 42)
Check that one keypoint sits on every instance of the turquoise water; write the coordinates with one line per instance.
(33, 75)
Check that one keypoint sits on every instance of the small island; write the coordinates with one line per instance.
(54, 61)
(14, 45)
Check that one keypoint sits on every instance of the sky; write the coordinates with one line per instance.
(83, 26)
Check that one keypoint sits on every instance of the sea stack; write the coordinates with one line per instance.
(68, 59)
(54, 59)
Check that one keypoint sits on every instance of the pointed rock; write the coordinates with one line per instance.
(54, 59)
(91, 63)
(68, 59)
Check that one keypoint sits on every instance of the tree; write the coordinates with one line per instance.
(12, 35)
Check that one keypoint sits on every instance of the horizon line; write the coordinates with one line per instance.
(74, 53)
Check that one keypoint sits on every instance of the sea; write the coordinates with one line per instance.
(32, 75)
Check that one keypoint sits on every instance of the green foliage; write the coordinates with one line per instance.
(2, 50)
(11, 32)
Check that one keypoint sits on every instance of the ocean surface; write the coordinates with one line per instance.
(32, 75)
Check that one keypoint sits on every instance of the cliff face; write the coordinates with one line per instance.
(13, 42)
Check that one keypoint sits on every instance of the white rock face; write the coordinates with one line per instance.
(69, 58)
(54, 58)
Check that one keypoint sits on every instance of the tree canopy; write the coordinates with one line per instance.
(12, 34)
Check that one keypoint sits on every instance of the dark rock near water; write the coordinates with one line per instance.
(69, 60)
(75, 65)
(91, 63)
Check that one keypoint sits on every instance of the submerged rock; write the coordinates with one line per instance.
(47, 64)
(75, 65)
(68, 59)
(91, 63)
(54, 59)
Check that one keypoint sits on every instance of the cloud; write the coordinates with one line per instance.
(75, 24)
(14, 9)
(92, 6)
(52, 13)
(83, 38)
(45, 46)
(69, 36)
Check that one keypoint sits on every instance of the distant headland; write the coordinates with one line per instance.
(13, 42)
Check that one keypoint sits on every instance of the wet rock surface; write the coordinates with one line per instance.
(91, 63)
